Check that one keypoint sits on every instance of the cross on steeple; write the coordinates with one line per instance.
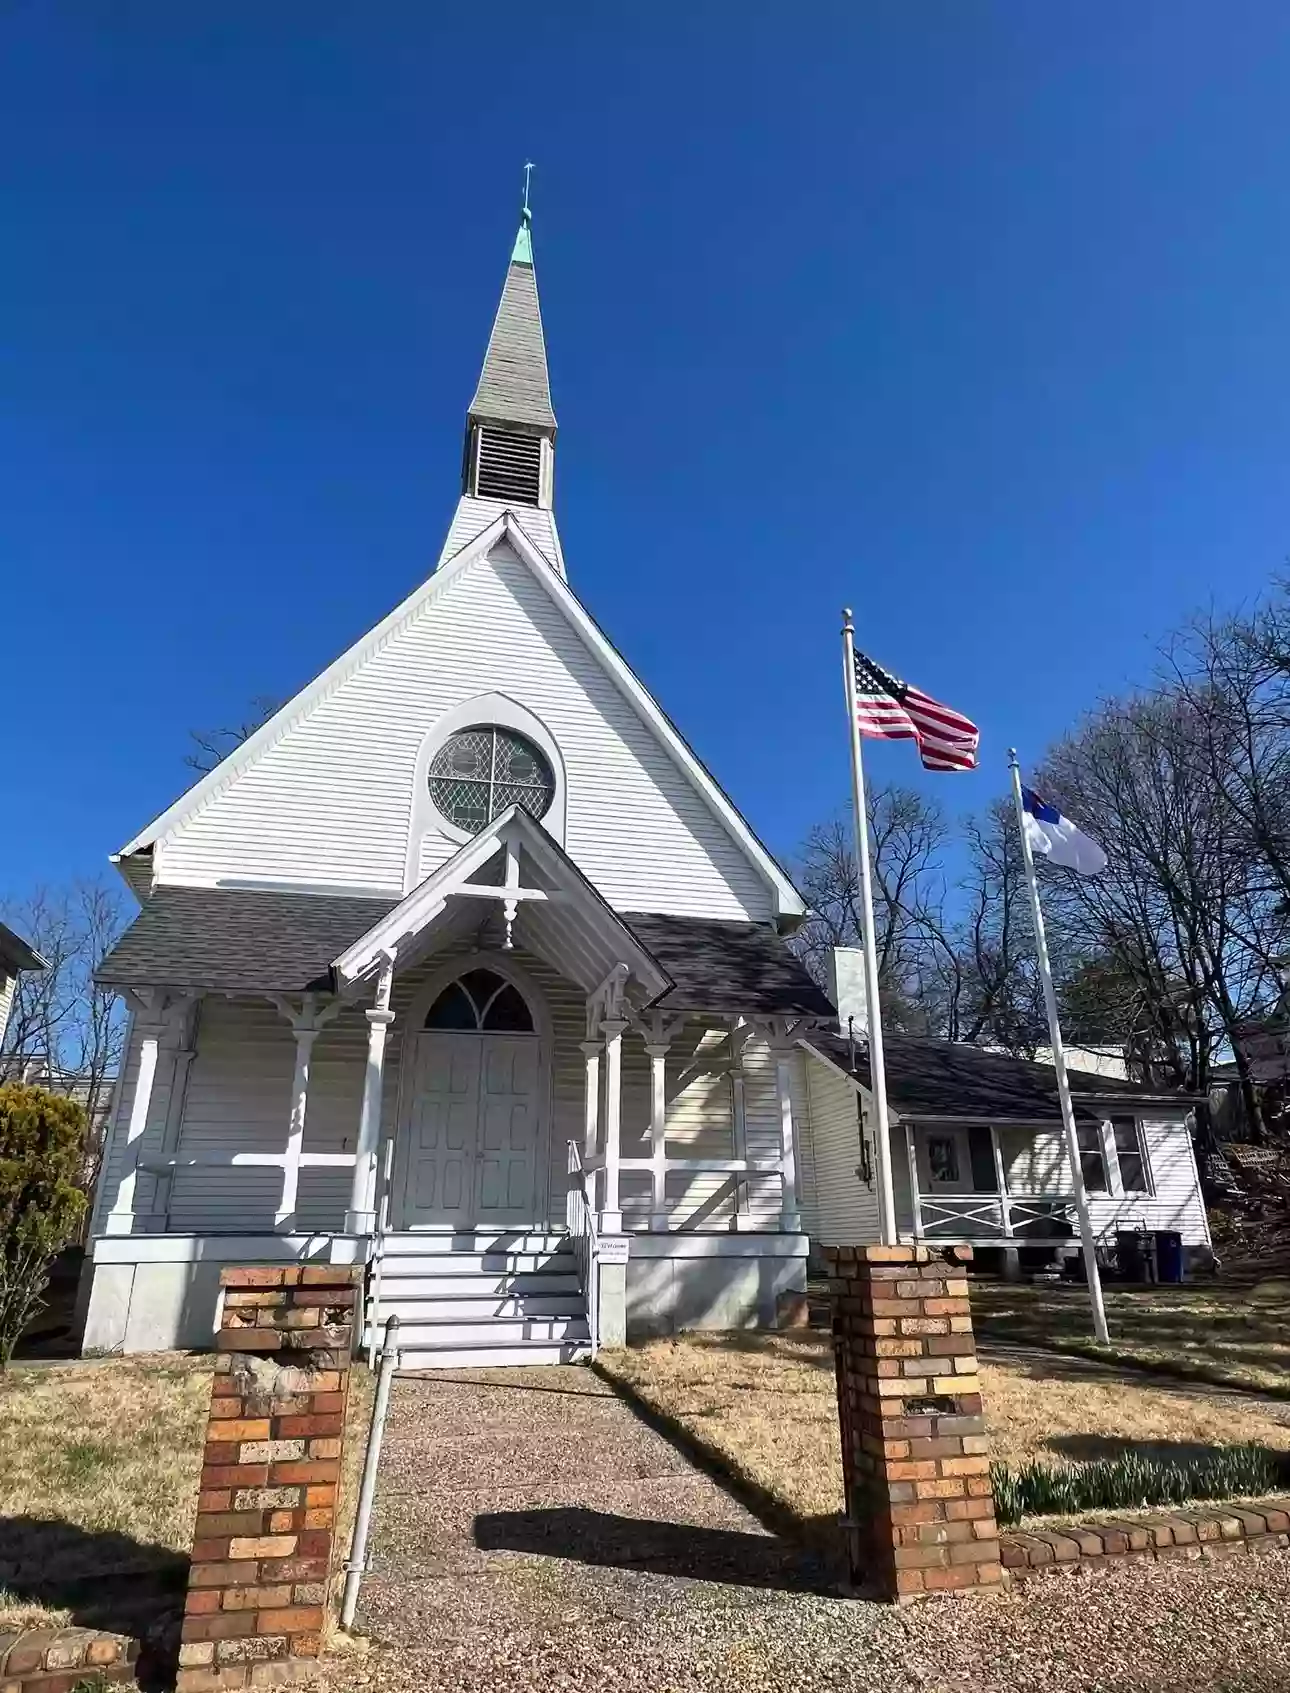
(528, 172)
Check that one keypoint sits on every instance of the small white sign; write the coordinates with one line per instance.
(613, 1250)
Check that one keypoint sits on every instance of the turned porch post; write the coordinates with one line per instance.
(361, 1216)
(659, 1035)
(783, 1044)
(153, 1018)
(915, 1198)
(611, 1216)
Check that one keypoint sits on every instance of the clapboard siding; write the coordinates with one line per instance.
(1035, 1163)
(838, 1209)
(474, 514)
(330, 802)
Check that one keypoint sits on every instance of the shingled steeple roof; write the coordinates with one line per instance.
(513, 385)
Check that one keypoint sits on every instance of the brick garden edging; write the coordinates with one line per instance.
(1207, 1531)
(915, 1460)
(258, 1588)
(54, 1660)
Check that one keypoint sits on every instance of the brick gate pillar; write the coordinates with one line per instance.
(262, 1551)
(915, 1464)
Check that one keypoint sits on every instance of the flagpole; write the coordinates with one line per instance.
(1087, 1239)
(877, 1061)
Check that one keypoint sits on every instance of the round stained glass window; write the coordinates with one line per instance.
(480, 772)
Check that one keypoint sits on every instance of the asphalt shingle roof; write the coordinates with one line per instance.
(728, 967)
(233, 940)
(260, 941)
(937, 1078)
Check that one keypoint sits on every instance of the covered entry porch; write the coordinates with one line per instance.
(497, 1064)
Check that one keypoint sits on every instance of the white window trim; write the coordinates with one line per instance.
(492, 710)
(1111, 1158)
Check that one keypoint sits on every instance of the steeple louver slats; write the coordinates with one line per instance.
(509, 467)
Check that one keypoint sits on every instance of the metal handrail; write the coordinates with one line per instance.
(580, 1219)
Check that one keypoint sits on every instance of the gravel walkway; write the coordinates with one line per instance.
(531, 1533)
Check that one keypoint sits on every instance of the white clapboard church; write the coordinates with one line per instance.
(464, 967)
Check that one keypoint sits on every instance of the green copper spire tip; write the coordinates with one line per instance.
(523, 250)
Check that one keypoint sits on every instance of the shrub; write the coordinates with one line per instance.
(1135, 1480)
(41, 1137)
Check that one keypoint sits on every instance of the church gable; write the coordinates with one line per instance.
(489, 685)
(339, 800)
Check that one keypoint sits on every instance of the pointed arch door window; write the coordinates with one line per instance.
(481, 1002)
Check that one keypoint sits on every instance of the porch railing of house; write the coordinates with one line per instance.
(580, 1219)
(991, 1216)
(290, 1162)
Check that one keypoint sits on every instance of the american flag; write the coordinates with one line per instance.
(888, 709)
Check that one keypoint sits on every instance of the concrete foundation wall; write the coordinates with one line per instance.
(712, 1282)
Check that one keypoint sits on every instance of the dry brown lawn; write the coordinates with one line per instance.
(763, 1407)
(1231, 1336)
(99, 1465)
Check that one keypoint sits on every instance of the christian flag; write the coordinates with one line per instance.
(888, 709)
(1057, 838)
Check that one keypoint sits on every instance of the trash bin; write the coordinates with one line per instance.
(1169, 1255)
(1131, 1255)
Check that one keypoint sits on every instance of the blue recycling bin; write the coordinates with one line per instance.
(1169, 1255)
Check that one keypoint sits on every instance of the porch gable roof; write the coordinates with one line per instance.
(566, 919)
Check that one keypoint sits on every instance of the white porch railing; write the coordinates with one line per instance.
(738, 1169)
(290, 1162)
(580, 1219)
(990, 1216)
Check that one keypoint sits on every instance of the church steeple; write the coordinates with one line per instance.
(510, 427)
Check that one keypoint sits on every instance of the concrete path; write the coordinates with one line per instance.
(532, 1533)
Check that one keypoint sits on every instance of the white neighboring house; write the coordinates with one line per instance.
(465, 968)
(15, 957)
(978, 1154)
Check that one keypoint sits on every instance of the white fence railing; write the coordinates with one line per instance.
(580, 1219)
(289, 1162)
(995, 1216)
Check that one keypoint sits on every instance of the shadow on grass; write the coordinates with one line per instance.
(106, 1580)
(676, 1549)
(816, 1541)
(1100, 1448)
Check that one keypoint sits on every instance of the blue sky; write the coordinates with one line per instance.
(973, 315)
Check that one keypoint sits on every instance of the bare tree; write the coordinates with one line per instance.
(65, 1031)
(907, 833)
(212, 746)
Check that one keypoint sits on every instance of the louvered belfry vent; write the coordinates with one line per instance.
(508, 466)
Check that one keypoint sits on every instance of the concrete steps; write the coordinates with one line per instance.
(465, 1301)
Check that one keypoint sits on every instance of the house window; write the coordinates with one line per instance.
(482, 771)
(1091, 1157)
(1129, 1155)
(942, 1158)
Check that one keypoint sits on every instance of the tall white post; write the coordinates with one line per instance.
(305, 1038)
(611, 1216)
(591, 1049)
(739, 1033)
(1087, 1238)
(915, 1197)
(877, 1060)
(361, 1216)
(790, 1214)
(150, 1023)
(658, 1218)
(1001, 1182)
(181, 1059)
